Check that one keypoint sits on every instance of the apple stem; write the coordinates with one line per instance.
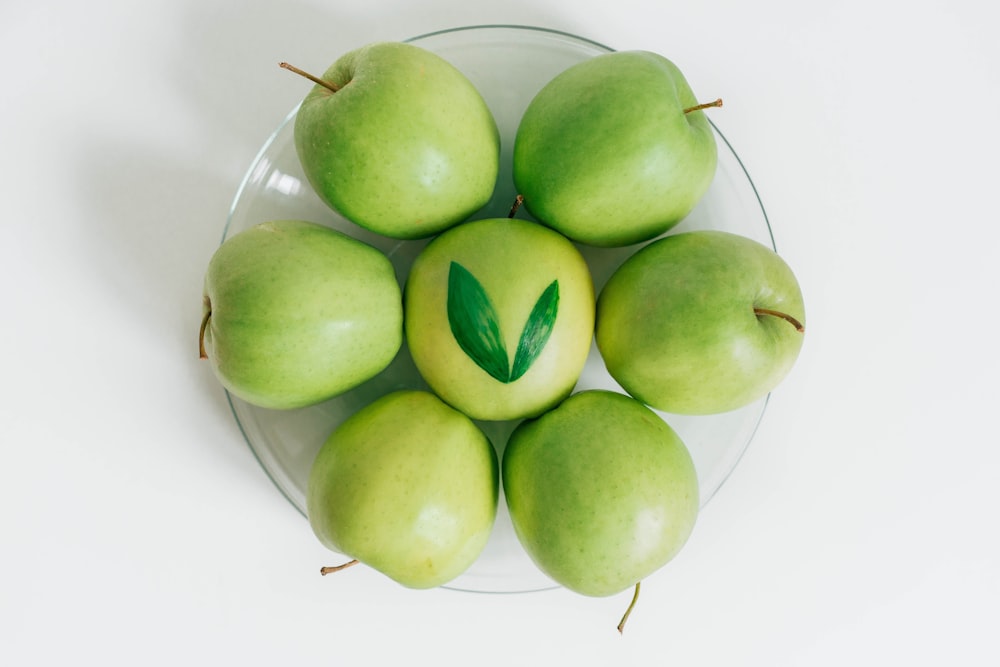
(706, 105)
(201, 331)
(518, 200)
(314, 79)
(628, 612)
(785, 316)
(330, 569)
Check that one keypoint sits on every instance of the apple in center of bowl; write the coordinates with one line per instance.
(499, 317)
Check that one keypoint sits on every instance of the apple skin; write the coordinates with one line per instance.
(408, 486)
(601, 491)
(605, 154)
(298, 313)
(405, 148)
(677, 327)
(515, 261)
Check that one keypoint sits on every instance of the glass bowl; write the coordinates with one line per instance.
(508, 64)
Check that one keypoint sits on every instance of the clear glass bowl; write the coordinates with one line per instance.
(508, 64)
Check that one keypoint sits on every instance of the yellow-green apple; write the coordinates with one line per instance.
(398, 140)
(296, 313)
(613, 151)
(499, 317)
(601, 491)
(700, 322)
(408, 486)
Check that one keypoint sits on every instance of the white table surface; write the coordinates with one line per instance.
(136, 528)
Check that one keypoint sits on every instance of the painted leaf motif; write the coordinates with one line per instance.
(475, 324)
(536, 330)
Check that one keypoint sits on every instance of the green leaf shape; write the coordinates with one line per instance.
(475, 324)
(536, 330)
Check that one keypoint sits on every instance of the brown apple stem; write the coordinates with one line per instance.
(201, 333)
(314, 79)
(706, 105)
(631, 606)
(518, 200)
(330, 569)
(785, 316)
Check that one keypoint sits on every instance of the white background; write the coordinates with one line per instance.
(136, 528)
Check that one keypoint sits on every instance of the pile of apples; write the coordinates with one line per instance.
(499, 316)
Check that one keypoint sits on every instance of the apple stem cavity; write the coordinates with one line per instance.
(314, 79)
(518, 200)
(785, 316)
(330, 569)
(628, 612)
(202, 354)
(706, 105)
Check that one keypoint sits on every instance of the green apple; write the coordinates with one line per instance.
(398, 140)
(296, 313)
(499, 317)
(601, 491)
(408, 486)
(700, 322)
(606, 154)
